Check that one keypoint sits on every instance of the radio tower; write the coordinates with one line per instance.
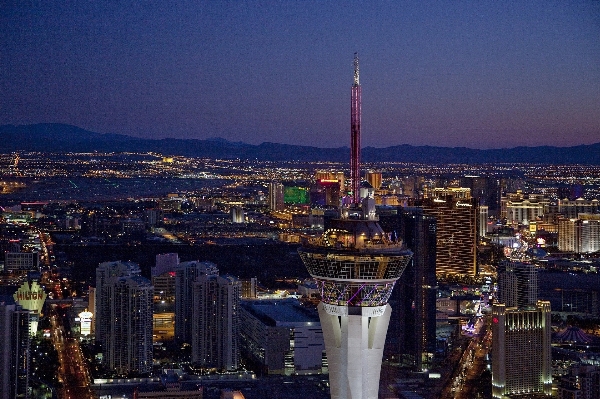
(355, 134)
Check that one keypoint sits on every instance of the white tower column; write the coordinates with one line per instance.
(354, 345)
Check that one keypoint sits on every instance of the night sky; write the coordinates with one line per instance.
(480, 74)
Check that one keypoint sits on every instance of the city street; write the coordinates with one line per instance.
(72, 372)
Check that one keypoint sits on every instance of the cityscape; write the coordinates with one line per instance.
(154, 275)
(227, 241)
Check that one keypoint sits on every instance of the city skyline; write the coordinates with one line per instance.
(445, 74)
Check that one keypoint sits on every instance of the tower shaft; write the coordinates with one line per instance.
(355, 116)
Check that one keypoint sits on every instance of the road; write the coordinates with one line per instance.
(72, 371)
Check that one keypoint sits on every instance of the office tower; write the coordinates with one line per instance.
(355, 121)
(15, 349)
(456, 215)
(276, 196)
(216, 321)
(413, 323)
(185, 275)
(127, 342)
(355, 266)
(374, 179)
(521, 351)
(281, 336)
(104, 271)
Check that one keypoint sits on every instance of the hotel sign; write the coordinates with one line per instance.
(30, 297)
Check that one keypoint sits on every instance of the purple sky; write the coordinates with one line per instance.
(477, 74)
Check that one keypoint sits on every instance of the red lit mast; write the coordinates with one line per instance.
(355, 134)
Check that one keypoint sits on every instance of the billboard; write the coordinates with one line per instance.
(295, 195)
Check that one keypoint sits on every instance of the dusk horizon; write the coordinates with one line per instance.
(474, 75)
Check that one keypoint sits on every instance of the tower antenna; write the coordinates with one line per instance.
(355, 112)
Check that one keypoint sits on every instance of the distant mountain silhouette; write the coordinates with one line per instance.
(55, 137)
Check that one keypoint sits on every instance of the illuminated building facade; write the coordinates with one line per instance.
(374, 179)
(456, 216)
(521, 333)
(572, 209)
(521, 208)
(580, 235)
(521, 351)
(355, 265)
(276, 196)
(327, 175)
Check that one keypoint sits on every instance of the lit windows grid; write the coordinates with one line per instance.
(355, 294)
(353, 267)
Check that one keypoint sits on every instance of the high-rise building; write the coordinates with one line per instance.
(127, 341)
(572, 209)
(521, 350)
(456, 215)
(482, 220)
(185, 275)
(413, 322)
(521, 331)
(486, 190)
(355, 265)
(374, 179)
(15, 350)
(326, 192)
(580, 235)
(517, 284)
(216, 321)
(276, 196)
(104, 271)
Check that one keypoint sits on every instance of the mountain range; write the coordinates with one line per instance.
(55, 137)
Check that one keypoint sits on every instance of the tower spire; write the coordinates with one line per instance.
(356, 71)
(355, 111)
